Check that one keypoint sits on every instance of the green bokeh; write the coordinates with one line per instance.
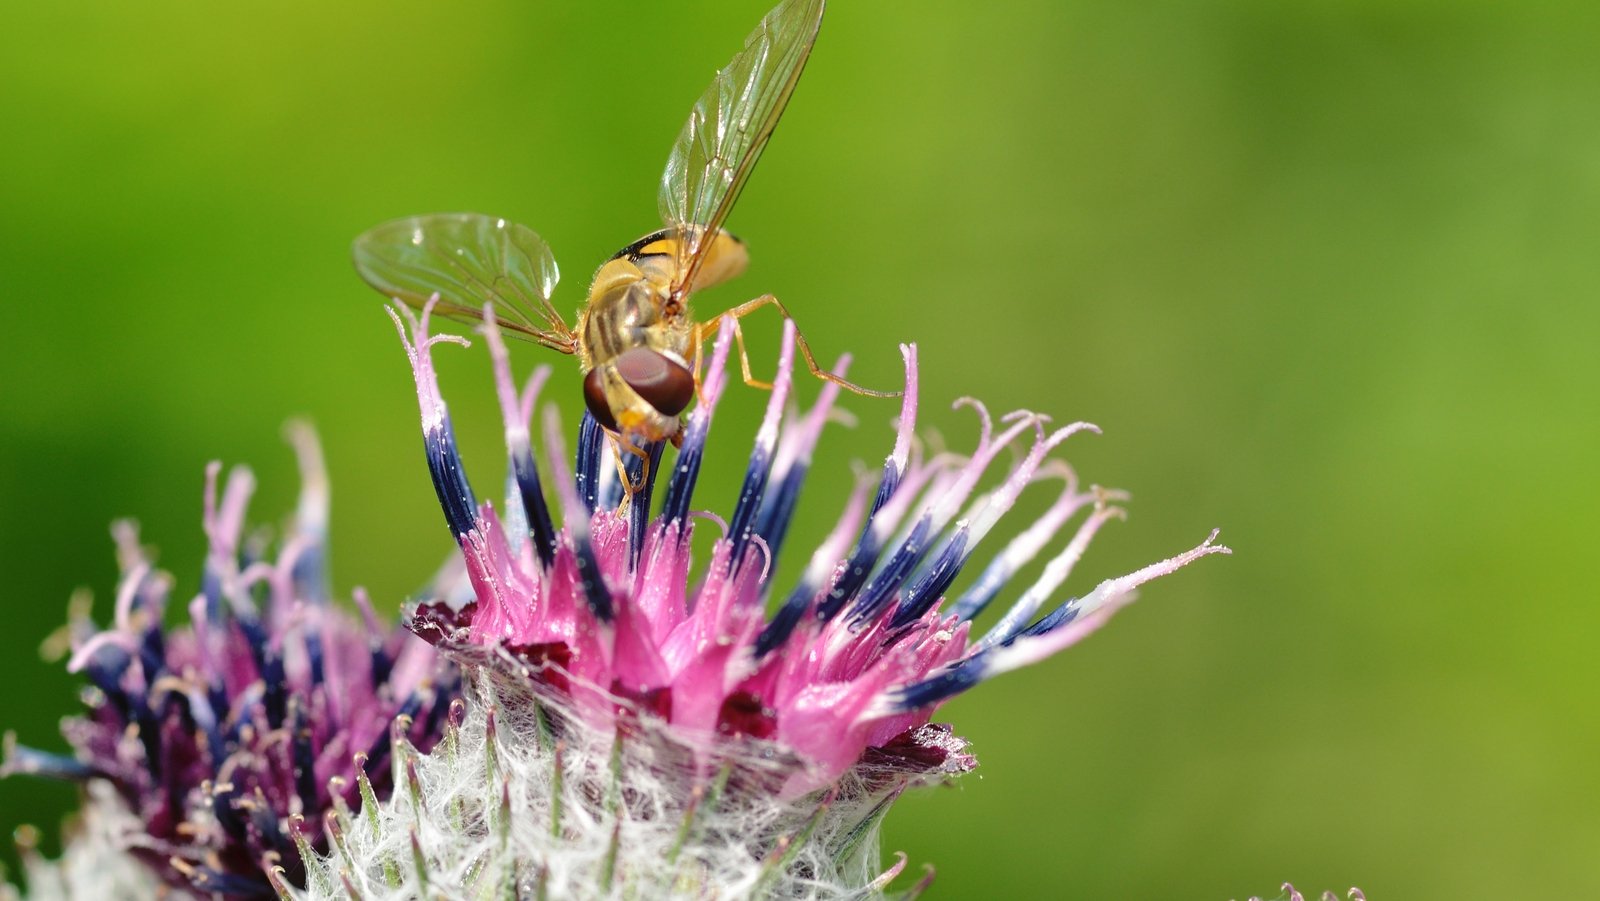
(1325, 272)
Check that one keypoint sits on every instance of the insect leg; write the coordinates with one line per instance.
(709, 328)
(744, 358)
(698, 341)
(629, 489)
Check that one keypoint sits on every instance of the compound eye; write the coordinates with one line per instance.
(594, 395)
(664, 383)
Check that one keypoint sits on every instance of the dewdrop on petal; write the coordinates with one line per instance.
(637, 725)
(212, 750)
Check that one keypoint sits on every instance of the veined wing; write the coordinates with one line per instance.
(468, 259)
(728, 128)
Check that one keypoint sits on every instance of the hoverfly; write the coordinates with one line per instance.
(635, 336)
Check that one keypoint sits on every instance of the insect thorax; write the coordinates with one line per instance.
(626, 310)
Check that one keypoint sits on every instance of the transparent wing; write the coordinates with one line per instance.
(468, 259)
(729, 126)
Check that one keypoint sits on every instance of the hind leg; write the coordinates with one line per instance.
(709, 328)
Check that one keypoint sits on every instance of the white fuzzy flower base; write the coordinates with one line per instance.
(95, 862)
(525, 800)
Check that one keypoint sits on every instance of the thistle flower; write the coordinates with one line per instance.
(633, 728)
(212, 750)
(1290, 893)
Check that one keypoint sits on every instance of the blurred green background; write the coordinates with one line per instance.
(1325, 272)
